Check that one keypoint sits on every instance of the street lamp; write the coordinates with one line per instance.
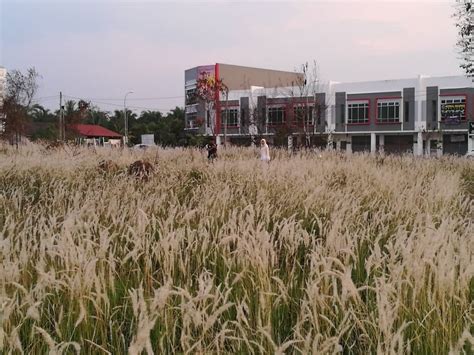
(125, 138)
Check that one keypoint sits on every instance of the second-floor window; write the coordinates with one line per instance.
(276, 115)
(303, 114)
(191, 120)
(231, 116)
(358, 112)
(191, 97)
(388, 111)
(453, 109)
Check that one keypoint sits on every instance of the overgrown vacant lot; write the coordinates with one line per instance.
(309, 254)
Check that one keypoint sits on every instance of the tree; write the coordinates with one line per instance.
(307, 103)
(38, 113)
(170, 132)
(42, 122)
(209, 89)
(145, 123)
(465, 23)
(97, 117)
(69, 109)
(21, 89)
(75, 113)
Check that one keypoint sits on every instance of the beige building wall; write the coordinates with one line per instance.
(242, 78)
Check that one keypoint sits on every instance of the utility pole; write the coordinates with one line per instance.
(306, 118)
(61, 118)
(125, 138)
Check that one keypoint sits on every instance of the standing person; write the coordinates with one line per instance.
(264, 151)
(211, 151)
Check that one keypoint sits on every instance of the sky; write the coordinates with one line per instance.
(99, 50)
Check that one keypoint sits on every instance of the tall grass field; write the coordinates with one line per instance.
(316, 253)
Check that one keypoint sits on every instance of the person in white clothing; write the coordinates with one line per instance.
(264, 151)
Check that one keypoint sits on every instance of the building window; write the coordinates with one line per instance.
(358, 112)
(303, 114)
(231, 115)
(453, 109)
(276, 115)
(388, 111)
(318, 115)
(191, 97)
(406, 106)
(191, 120)
(243, 116)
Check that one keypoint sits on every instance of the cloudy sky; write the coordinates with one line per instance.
(101, 49)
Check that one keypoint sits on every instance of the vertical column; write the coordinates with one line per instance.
(349, 146)
(439, 147)
(373, 143)
(428, 147)
(330, 140)
(381, 143)
(338, 145)
(470, 137)
(418, 147)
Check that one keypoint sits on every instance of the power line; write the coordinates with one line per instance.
(139, 98)
(118, 105)
(46, 98)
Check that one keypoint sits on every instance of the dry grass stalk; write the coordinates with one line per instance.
(306, 255)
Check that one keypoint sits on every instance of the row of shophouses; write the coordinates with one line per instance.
(423, 115)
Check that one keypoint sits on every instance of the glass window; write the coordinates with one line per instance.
(191, 120)
(407, 111)
(388, 111)
(231, 115)
(302, 113)
(276, 115)
(453, 109)
(358, 112)
(191, 97)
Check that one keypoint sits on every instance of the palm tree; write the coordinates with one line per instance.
(38, 113)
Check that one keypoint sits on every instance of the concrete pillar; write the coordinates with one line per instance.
(290, 144)
(428, 147)
(349, 148)
(418, 147)
(338, 145)
(330, 140)
(381, 143)
(439, 147)
(373, 143)
(218, 140)
(470, 142)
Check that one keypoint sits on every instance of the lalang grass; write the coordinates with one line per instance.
(312, 253)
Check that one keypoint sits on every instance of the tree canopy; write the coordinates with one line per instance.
(465, 23)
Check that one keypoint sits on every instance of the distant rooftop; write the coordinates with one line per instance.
(90, 130)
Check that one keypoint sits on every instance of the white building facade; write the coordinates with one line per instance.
(423, 115)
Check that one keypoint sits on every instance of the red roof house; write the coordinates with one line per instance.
(94, 131)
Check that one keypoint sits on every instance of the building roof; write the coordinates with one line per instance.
(90, 130)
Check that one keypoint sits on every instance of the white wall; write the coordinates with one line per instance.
(420, 84)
